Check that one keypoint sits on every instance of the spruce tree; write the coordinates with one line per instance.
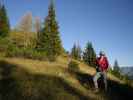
(116, 69)
(116, 66)
(4, 22)
(89, 55)
(79, 52)
(49, 39)
(76, 52)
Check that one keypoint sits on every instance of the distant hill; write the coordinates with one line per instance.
(127, 71)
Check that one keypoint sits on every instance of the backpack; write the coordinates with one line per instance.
(103, 63)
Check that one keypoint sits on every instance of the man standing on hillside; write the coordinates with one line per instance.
(101, 68)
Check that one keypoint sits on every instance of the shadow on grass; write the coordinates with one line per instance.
(116, 91)
(85, 79)
(18, 84)
(119, 91)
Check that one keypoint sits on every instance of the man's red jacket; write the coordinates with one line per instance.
(102, 63)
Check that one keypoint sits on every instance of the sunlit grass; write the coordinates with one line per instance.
(36, 79)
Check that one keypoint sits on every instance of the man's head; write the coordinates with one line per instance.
(101, 53)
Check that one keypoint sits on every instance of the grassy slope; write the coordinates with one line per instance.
(24, 79)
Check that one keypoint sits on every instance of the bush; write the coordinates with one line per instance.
(9, 48)
(51, 58)
(4, 43)
(23, 39)
(34, 54)
(12, 48)
(73, 66)
(14, 51)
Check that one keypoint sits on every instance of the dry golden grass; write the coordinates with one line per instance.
(59, 69)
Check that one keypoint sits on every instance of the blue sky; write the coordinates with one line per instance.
(108, 24)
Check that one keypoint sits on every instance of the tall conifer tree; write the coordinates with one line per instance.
(76, 52)
(116, 66)
(50, 38)
(4, 22)
(89, 55)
